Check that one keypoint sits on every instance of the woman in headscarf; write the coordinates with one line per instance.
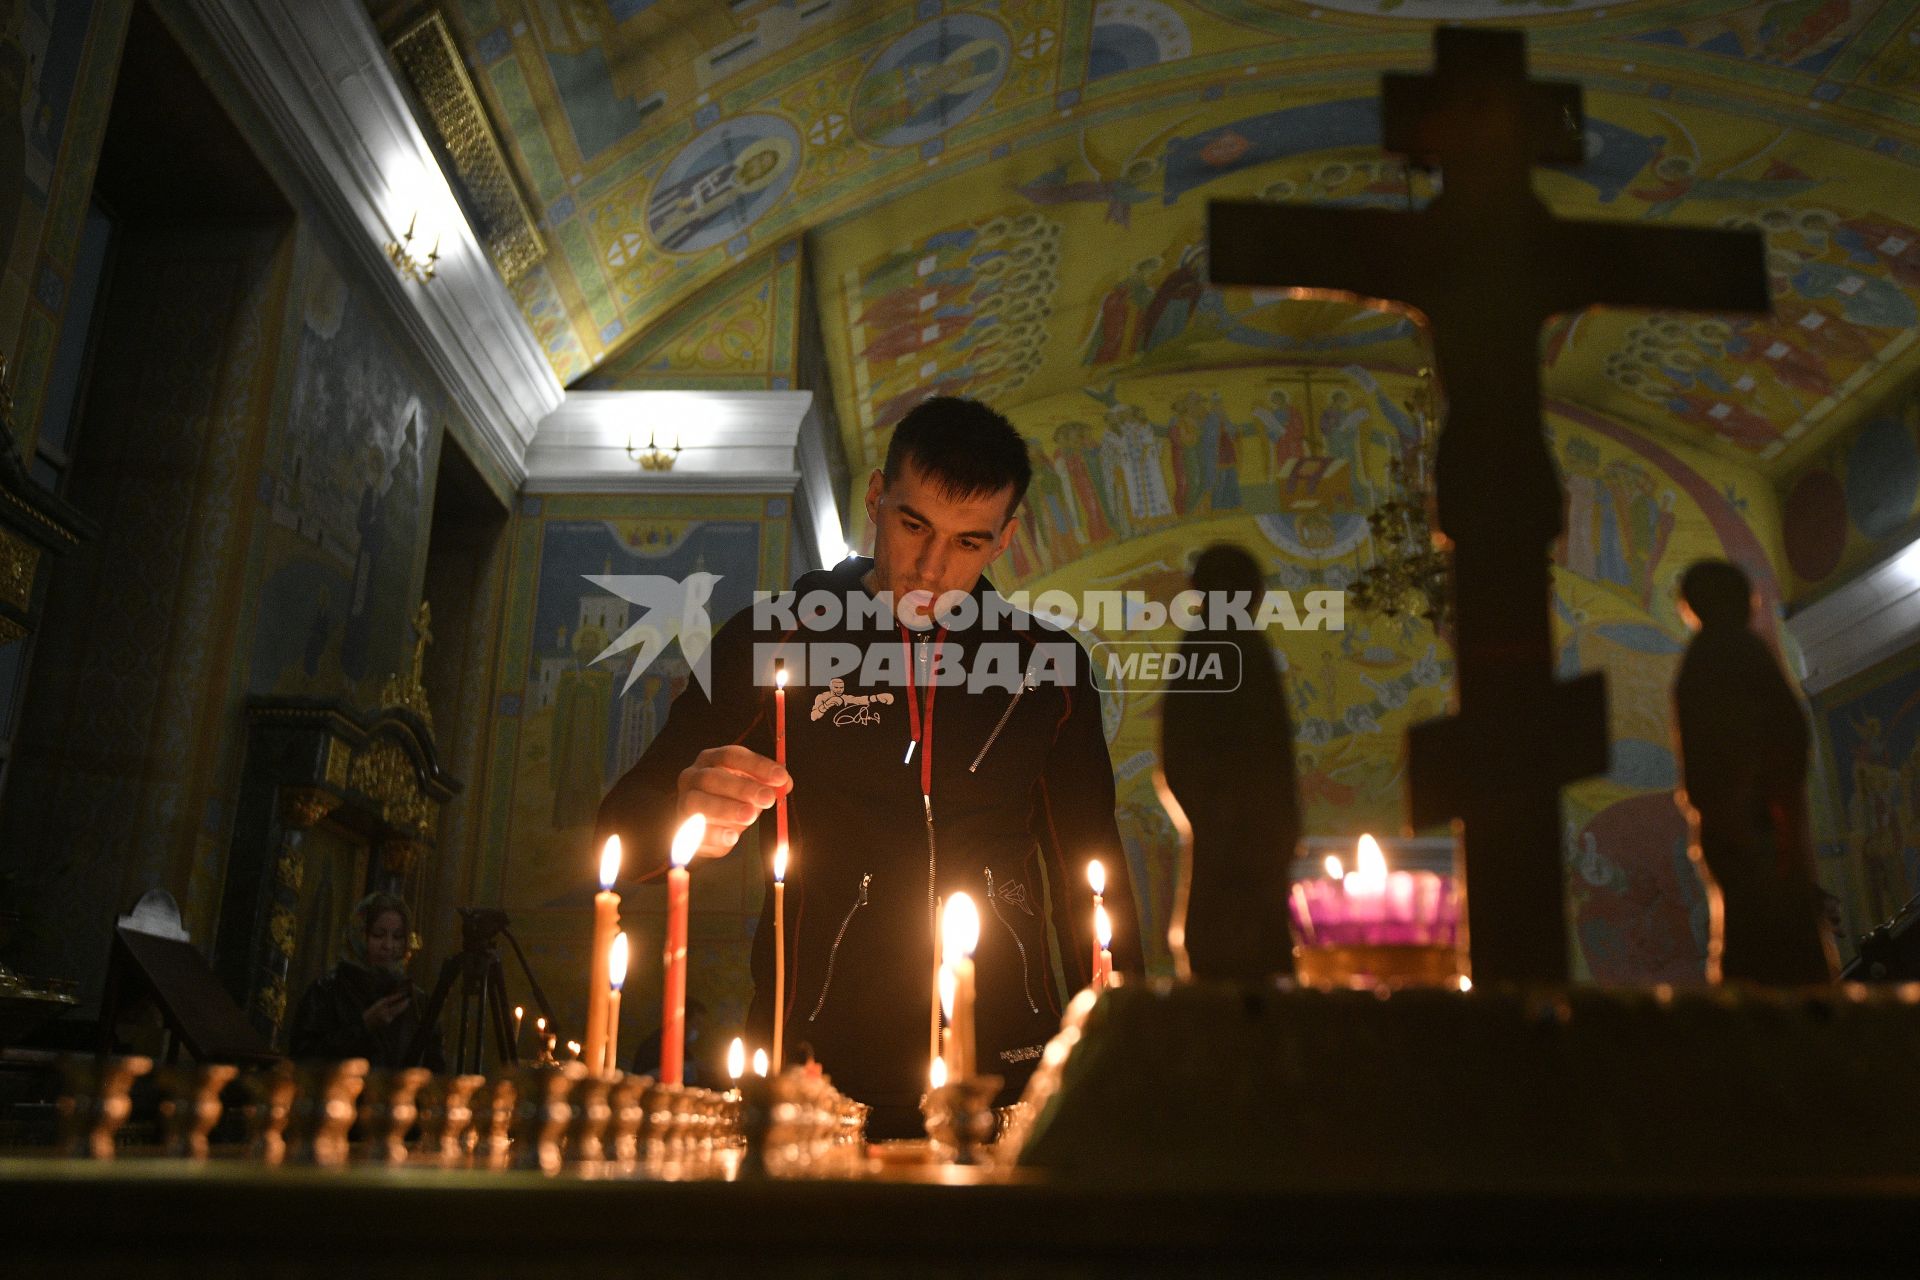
(367, 1007)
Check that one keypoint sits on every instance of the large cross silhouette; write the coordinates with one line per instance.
(1485, 264)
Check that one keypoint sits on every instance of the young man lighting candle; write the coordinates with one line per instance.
(961, 750)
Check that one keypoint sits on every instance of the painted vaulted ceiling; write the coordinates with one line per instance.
(1005, 198)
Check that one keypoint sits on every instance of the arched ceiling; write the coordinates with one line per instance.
(1007, 198)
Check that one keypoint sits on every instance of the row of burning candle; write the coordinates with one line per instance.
(605, 979)
(1368, 905)
(608, 962)
(603, 986)
(960, 934)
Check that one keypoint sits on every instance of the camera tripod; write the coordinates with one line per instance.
(483, 993)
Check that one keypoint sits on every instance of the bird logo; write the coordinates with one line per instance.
(670, 609)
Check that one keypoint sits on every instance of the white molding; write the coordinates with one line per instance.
(731, 442)
(319, 76)
(721, 416)
(817, 507)
(655, 483)
(1873, 617)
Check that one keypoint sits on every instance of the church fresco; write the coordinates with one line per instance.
(1459, 10)
(346, 501)
(1872, 726)
(1132, 35)
(1064, 106)
(1749, 388)
(58, 60)
(563, 730)
(40, 52)
(1855, 500)
(959, 313)
(546, 311)
(721, 183)
(1844, 299)
(740, 333)
(929, 80)
(1806, 36)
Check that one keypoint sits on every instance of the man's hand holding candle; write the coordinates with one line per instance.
(731, 787)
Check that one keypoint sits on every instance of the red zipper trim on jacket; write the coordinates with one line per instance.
(923, 735)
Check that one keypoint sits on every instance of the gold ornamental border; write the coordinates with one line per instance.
(18, 560)
(432, 64)
(386, 773)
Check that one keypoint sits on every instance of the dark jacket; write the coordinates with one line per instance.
(1007, 799)
(328, 1023)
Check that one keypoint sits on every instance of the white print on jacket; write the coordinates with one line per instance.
(849, 708)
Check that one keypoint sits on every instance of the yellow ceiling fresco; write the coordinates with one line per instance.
(1007, 197)
(740, 333)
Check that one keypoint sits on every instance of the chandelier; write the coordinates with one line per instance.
(408, 260)
(1408, 576)
(653, 457)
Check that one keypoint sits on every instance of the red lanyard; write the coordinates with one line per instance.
(922, 735)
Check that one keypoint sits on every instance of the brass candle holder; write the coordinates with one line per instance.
(95, 1101)
(960, 1116)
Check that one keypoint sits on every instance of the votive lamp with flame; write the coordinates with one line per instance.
(1371, 926)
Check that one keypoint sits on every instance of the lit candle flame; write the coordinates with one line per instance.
(780, 675)
(1097, 877)
(1370, 875)
(687, 839)
(617, 961)
(1102, 927)
(736, 1058)
(573, 1047)
(949, 983)
(518, 1013)
(539, 1024)
(760, 1063)
(780, 865)
(937, 1075)
(610, 862)
(1334, 870)
(960, 927)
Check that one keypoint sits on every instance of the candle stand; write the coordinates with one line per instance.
(961, 1118)
(94, 1101)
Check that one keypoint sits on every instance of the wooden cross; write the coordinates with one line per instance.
(1484, 265)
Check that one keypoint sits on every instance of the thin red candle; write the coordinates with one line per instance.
(1103, 949)
(673, 1012)
(1097, 881)
(779, 957)
(780, 747)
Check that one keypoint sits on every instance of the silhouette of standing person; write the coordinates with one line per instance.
(1743, 749)
(1227, 759)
